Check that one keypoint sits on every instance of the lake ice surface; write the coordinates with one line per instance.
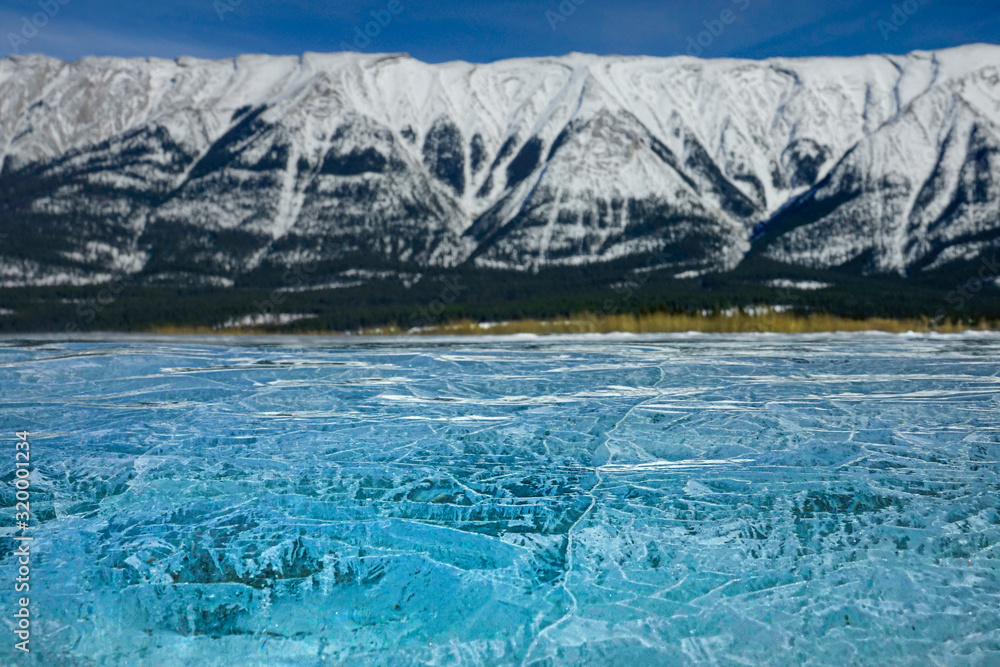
(766, 500)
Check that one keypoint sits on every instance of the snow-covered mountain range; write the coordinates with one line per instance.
(202, 171)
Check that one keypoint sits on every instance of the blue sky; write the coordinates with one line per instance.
(486, 30)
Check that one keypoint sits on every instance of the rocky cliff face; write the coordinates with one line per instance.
(197, 172)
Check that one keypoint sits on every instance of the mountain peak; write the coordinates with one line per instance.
(884, 162)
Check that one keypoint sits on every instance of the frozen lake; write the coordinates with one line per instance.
(783, 500)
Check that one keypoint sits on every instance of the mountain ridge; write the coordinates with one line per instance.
(200, 171)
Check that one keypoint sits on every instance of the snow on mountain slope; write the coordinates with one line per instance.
(921, 191)
(204, 170)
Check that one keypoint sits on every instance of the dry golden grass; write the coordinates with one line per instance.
(737, 322)
(177, 330)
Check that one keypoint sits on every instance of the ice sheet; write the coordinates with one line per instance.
(633, 500)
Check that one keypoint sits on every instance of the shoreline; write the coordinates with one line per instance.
(653, 323)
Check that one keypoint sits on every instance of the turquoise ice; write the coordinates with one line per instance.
(766, 500)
